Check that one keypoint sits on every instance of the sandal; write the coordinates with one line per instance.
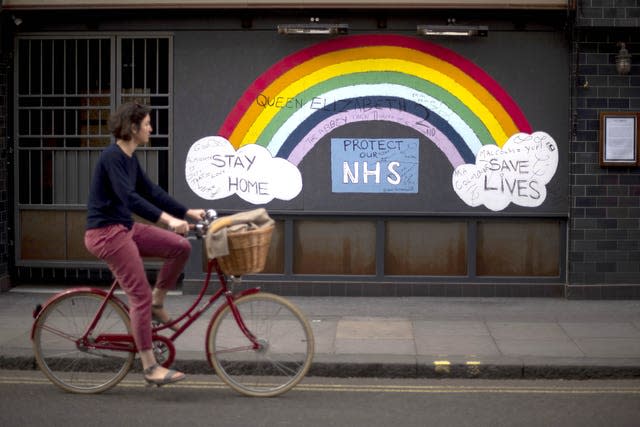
(155, 318)
(168, 378)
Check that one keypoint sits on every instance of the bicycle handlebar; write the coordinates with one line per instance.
(210, 223)
(200, 228)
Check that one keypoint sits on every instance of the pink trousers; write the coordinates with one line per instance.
(122, 249)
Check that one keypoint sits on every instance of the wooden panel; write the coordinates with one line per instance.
(275, 258)
(42, 235)
(518, 248)
(433, 248)
(334, 247)
(48, 235)
(76, 223)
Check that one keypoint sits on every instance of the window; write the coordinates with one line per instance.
(67, 86)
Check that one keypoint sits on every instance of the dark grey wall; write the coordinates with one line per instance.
(212, 73)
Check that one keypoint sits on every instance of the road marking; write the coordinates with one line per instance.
(466, 390)
(372, 388)
(442, 366)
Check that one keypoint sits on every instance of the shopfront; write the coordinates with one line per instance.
(396, 160)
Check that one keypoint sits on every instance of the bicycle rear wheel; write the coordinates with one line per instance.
(70, 365)
(284, 354)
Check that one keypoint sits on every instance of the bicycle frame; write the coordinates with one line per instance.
(125, 342)
(192, 314)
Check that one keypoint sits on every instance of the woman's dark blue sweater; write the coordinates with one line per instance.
(120, 187)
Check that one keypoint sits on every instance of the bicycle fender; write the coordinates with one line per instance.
(100, 292)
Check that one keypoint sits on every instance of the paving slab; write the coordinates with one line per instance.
(414, 336)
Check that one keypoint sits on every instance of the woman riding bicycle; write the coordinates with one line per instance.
(120, 188)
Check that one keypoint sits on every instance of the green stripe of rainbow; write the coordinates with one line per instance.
(418, 65)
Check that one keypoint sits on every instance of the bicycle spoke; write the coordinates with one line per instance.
(282, 367)
(59, 333)
(235, 349)
(285, 346)
(71, 366)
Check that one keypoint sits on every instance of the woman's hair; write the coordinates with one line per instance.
(126, 119)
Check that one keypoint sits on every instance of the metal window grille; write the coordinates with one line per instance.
(66, 88)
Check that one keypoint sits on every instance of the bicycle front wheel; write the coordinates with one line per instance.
(283, 353)
(70, 364)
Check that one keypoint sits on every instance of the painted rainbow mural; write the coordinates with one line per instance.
(393, 78)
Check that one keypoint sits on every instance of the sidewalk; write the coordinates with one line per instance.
(416, 337)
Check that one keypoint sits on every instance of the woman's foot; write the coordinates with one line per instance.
(160, 315)
(159, 376)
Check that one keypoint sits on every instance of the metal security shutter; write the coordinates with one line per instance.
(66, 88)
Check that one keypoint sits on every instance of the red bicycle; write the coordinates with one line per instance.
(258, 343)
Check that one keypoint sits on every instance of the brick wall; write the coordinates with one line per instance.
(608, 13)
(604, 239)
(4, 183)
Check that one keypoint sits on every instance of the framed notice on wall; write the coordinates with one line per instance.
(618, 139)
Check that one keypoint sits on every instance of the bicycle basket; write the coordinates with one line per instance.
(248, 251)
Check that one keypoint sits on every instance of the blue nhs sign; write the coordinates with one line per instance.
(381, 165)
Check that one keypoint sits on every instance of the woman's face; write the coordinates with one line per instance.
(142, 135)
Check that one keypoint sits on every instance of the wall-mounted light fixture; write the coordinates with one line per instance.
(16, 20)
(453, 30)
(623, 60)
(313, 29)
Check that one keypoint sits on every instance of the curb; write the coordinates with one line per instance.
(410, 370)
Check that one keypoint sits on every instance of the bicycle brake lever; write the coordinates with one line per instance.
(200, 229)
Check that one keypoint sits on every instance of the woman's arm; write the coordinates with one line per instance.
(180, 226)
(156, 195)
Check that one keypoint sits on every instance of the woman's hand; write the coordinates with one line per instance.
(179, 226)
(196, 214)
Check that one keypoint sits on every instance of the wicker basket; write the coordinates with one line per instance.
(247, 251)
